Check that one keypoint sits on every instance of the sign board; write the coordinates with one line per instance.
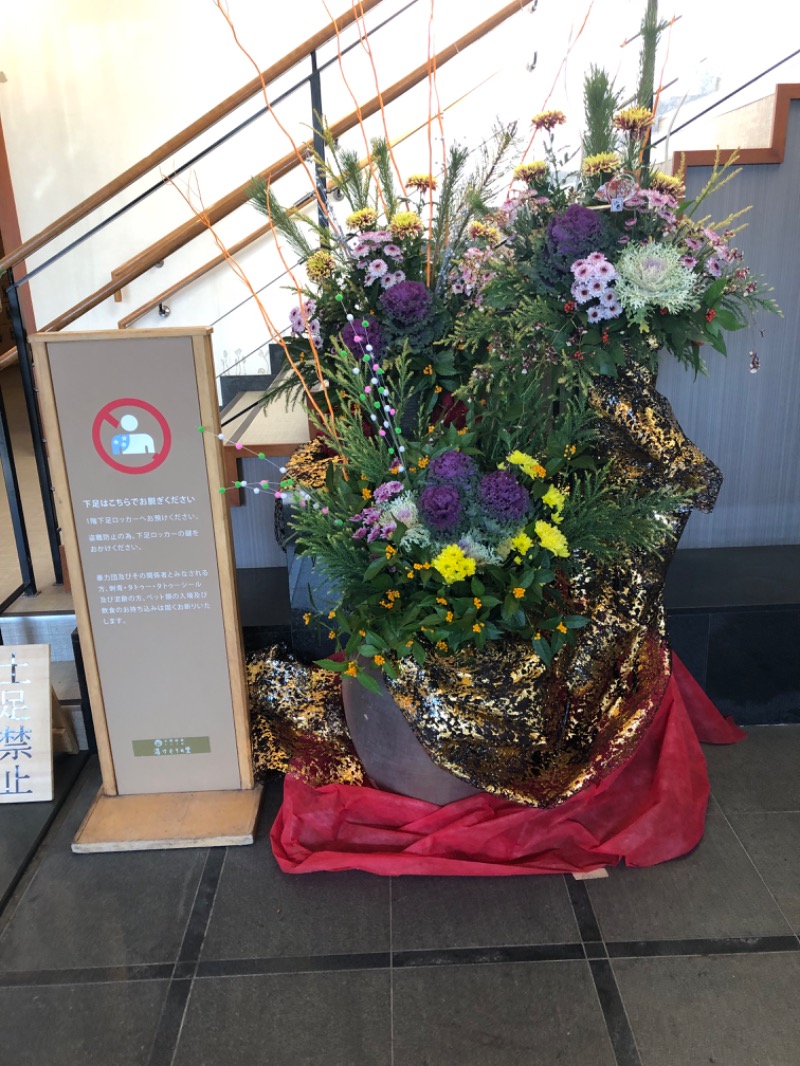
(26, 744)
(150, 555)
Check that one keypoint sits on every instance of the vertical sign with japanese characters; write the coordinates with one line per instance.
(26, 738)
(153, 552)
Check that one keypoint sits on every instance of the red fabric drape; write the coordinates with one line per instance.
(650, 809)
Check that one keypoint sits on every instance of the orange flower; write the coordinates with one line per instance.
(378, 660)
(519, 593)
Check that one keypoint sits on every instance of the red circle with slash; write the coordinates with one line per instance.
(106, 414)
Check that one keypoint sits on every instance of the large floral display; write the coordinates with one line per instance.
(496, 488)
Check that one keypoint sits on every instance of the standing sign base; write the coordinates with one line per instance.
(169, 820)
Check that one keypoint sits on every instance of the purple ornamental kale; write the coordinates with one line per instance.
(452, 466)
(408, 301)
(440, 506)
(503, 496)
(357, 337)
(573, 234)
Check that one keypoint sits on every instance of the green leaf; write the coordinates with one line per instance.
(478, 587)
(728, 320)
(375, 568)
(369, 682)
(713, 292)
(331, 664)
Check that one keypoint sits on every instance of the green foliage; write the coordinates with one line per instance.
(600, 102)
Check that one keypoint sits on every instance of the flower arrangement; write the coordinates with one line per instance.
(611, 266)
(469, 522)
(380, 280)
(439, 545)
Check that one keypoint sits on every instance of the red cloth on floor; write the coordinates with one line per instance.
(650, 809)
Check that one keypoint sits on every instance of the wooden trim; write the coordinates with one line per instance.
(209, 412)
(189, 230)
(58, 473)
(10, 237)
(9, 358)
(159, 820)
(177, 142)
(772, 153)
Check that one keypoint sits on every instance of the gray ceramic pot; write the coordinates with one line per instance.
(387, 746)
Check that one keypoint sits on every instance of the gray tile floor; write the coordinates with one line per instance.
(215, 958)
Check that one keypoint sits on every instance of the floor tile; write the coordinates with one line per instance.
(535, 1014)
(101, 910)
(712, 892)
(732, 1010)
(760, 774)
(454, 912)
(753, 665)
(773, 843)
(688, 635)
(310, 1019)
(21, 824)
(261, 912)
(81, 1025)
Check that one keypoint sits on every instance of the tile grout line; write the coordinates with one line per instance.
(609, 998)
(26, 879)
(173, 1014)
(758, 872)
(391, 973)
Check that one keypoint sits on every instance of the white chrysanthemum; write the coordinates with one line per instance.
(652, 276)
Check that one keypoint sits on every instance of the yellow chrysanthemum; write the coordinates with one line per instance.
(406, 224)
(484, 231)
(453, 564)
(667, 183)
(602, 163)
(548, 120)
(527, 464)
(552, 539)
(521, 543)
(554, 499)
(633, 120)
(532, 172)
(423, 182)
(362, 220)
(320, 266)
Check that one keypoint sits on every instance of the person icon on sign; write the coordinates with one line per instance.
(128, 442)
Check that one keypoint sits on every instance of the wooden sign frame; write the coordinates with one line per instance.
(157, 819)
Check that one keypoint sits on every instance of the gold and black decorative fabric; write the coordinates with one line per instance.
(499, 719)
(297, 721)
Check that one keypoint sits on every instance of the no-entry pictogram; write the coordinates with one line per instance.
(139, 431)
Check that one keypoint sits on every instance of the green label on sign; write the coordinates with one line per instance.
(173, 746)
